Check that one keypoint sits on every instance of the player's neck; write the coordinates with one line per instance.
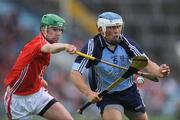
(111, 46)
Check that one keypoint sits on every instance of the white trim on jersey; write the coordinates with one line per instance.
(133, 48)
(89, 52)
(20, 79)
(100, 41)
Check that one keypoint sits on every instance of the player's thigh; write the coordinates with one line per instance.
(136, 115)
(113, 112)
(17, 108)
(57, 112)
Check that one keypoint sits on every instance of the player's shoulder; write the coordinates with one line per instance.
(33, 43)
(127, 39)
(92, 41)
(37, 40)
(99, 41)
(131, 45)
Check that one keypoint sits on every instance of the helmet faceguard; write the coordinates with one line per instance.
(108, 19)
(52, 20)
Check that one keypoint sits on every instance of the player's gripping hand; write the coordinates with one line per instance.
(70, 48)
(93, 97)
(164, 70)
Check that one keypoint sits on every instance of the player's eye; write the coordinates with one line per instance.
(57, 29)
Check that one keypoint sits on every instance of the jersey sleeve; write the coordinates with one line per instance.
(81, 63)
(39, 45)
(32, 50)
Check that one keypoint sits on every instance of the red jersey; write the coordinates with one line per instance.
(26, 75)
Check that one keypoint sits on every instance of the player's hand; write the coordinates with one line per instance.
(44, 83)
(70, 48)
(93, 97)
(164, 70)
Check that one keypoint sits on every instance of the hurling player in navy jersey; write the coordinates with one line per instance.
(112, 46)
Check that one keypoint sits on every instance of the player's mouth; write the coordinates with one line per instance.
(116, 37)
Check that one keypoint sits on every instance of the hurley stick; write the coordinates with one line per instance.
(143, 74)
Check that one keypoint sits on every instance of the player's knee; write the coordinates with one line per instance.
(112, 114)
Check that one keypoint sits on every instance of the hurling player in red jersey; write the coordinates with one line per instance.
(25, 94)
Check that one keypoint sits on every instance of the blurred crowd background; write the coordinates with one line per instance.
(154, 24)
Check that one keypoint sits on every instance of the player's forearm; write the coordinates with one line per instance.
(153, 68)
(57, 47)
(79, 82)
(53, 48)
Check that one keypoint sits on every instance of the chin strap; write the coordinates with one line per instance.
(45, 32)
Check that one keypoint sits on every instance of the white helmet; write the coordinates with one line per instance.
(109, 19)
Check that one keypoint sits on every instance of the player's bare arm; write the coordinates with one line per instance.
(58, 47)
(79, 82)
(160, 71)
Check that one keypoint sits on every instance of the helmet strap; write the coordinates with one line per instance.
(45, 31)
(104, 31)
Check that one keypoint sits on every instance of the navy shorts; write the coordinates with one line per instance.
(130, 99)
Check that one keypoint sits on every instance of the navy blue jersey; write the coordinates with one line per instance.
(101, 75)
